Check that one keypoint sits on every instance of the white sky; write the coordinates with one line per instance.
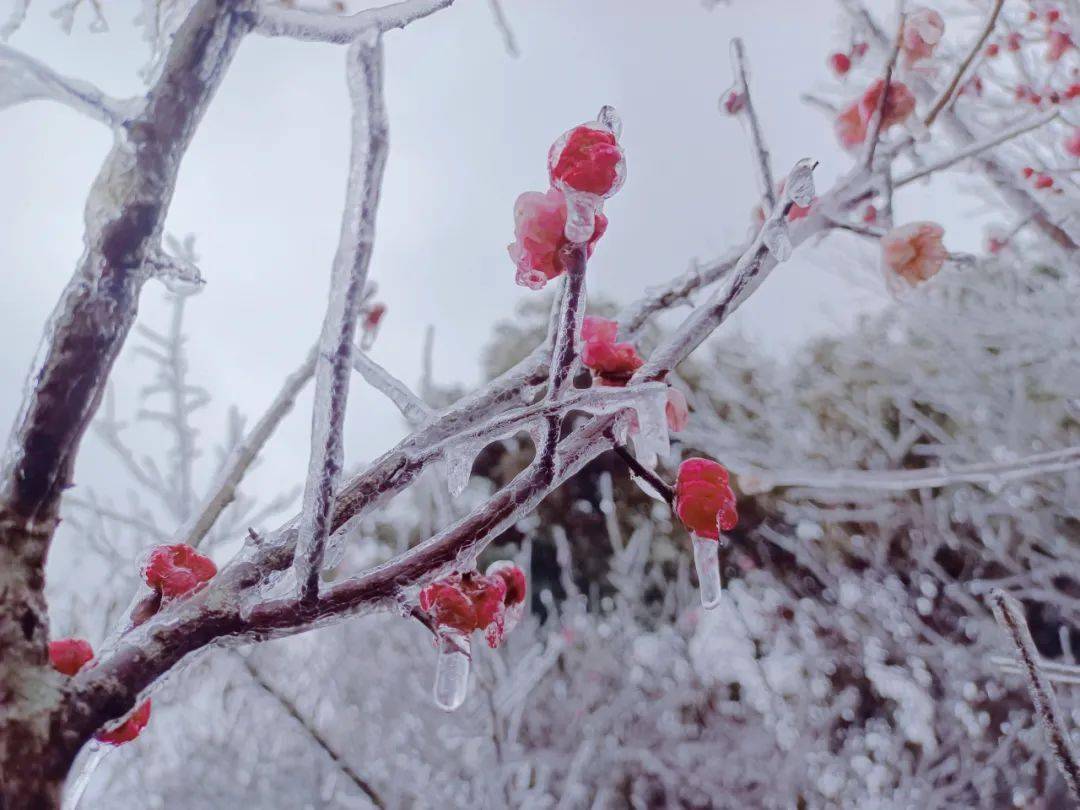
(263, 184)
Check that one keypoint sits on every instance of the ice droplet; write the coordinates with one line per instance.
(775, 236)
(647, 488)
(707, 563)
(581, 209)
(452, 670)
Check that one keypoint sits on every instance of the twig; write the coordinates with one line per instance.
(1010, 615)
(244, 454)
(276, 21)
(761, 151)
(294, 711)
(501, 23)
(976, 47)
(641, 471)
(971, 150)
(24, 78)
(874, 134)
(415, 411)
(334, 365)
(571, 312)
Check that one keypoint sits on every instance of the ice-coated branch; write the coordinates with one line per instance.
(243, 456)
(874, 132)
(961, 69)
(415, 411)
(771, 246)
(311, 26)
(1027, 125)
(568, 326)
(1009, 613)
(761, 151)
(333, 368)
(23, 78)
(993, 474)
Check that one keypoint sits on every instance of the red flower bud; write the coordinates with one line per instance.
(177, 570)
(610, 362)
(539, 229)
(587, 158)
(1044, 181)
(704, 500)
(69, 655)
(129, 729)
(840, 63)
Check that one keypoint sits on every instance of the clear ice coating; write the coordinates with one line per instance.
(459, 462)
(776, 238)
(452, 670)
(581, 211)
(651, 440)
(707, 563)
(76, 787)
(610, 119)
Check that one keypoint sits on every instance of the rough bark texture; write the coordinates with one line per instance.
(124, 218)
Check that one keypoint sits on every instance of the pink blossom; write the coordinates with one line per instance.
(68, 655)
(129, 729)
(611, 363)
(539, 223)
(914, 252)
(923, 29)
(850, 126)
(899, 105)
(840, 63)
(734, 102)
(177, 570)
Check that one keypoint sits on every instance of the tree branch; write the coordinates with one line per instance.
(761, 151)
(961, 69)
(310, 26)
(334, 366)
(1009, 613)
(414, 409)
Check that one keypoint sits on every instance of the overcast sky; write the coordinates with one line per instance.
(263, 184)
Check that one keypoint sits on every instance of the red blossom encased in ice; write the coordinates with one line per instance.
(539, 230)
(853, 123)
(704, 500)
(898, 106)
(923, 29)
(840, 63)
(587, 158)
(467, 603)
(796, 212)
(373, 317)
(915, 251)
(69, 655)
(177, 570)
(129, 729)
(513, 600)
(676, 410)
(610, 362)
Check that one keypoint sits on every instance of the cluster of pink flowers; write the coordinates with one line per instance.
(914, 252)
(1040, 180)
(853, 123)
(613, 364)
(704, 500)
(586, 160)
(68, 656)
(1056, 34)
(492, 602)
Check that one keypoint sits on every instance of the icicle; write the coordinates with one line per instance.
(707, 562)
(458, 463)
(581, 210)
(651, 440)
(452, 670)
(647, 488)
